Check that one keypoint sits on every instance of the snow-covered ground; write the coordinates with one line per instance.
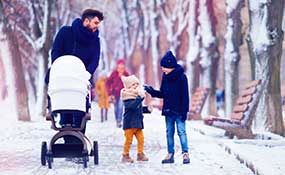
(210, 152)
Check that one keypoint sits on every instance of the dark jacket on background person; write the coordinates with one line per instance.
(174, 91)
(78, 41)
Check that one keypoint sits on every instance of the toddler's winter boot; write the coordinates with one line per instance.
(141, 157)
(127, 159)
(186, 158)
(168, 159)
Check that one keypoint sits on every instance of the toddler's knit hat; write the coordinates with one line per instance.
(129, 80)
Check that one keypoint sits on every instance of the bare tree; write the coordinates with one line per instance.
(174, 15)
(148, 40)
(193, 54)
(209, 52)
(265, 48)
(32, 29)
(233, 39)
(10, 44)
(40, 40)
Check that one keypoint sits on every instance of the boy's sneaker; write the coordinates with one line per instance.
(141, 157)
(186, 158)
(168, 159)
(127, 159)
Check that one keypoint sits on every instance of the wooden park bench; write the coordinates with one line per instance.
(240, 121)
(197, 102)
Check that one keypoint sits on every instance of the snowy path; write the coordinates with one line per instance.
(20, 151)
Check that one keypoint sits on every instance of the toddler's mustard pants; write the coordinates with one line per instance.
(129, 133)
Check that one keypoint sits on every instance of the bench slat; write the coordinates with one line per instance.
(244, 100)
(237, 116)
(252, 84)
(240, 108)
(249, 91)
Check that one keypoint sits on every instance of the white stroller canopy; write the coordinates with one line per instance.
(68, 84)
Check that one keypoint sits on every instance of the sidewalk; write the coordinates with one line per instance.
(264, 155)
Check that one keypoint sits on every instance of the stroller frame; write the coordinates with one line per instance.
(68, 150)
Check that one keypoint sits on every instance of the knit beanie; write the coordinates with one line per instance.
(129, 80)
(168, 60)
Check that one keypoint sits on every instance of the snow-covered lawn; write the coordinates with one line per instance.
(21, 144)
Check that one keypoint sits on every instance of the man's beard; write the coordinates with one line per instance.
(89, 28)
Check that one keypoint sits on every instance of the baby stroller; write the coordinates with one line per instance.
(68, 97)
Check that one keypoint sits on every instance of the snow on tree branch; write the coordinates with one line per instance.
(175, 21)
(259, 29)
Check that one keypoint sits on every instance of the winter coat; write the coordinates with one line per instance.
(133, 115)
(101, 91)
(77, 40)
(115, 84)
(174, 91)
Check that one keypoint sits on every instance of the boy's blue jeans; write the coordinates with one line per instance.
(170, 130)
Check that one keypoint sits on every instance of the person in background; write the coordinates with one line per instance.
(103, 97)
(114, 86)
(132, 96)
(220, 100)
(175, 95)
(81, 39)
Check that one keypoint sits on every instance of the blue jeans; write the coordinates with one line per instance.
(170, 130)
(118, 108)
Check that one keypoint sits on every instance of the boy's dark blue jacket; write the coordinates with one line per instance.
(77, 40)
(174, 91)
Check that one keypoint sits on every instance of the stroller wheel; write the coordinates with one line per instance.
(96, 152)
(43, 153)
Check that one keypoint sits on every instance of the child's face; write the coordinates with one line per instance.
(167, 70)
(134, 85)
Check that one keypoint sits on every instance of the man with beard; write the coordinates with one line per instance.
(81, 39)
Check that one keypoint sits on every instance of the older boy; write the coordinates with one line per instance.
(174, 91)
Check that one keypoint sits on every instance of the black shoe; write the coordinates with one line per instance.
(186, 158)
(168, 159)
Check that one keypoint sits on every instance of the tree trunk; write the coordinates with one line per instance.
(20, 84)
(43, 65)
(265, 43)
(233, 39)
(3, 86)
(17, 66)
(193, 68)
(209, 53)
